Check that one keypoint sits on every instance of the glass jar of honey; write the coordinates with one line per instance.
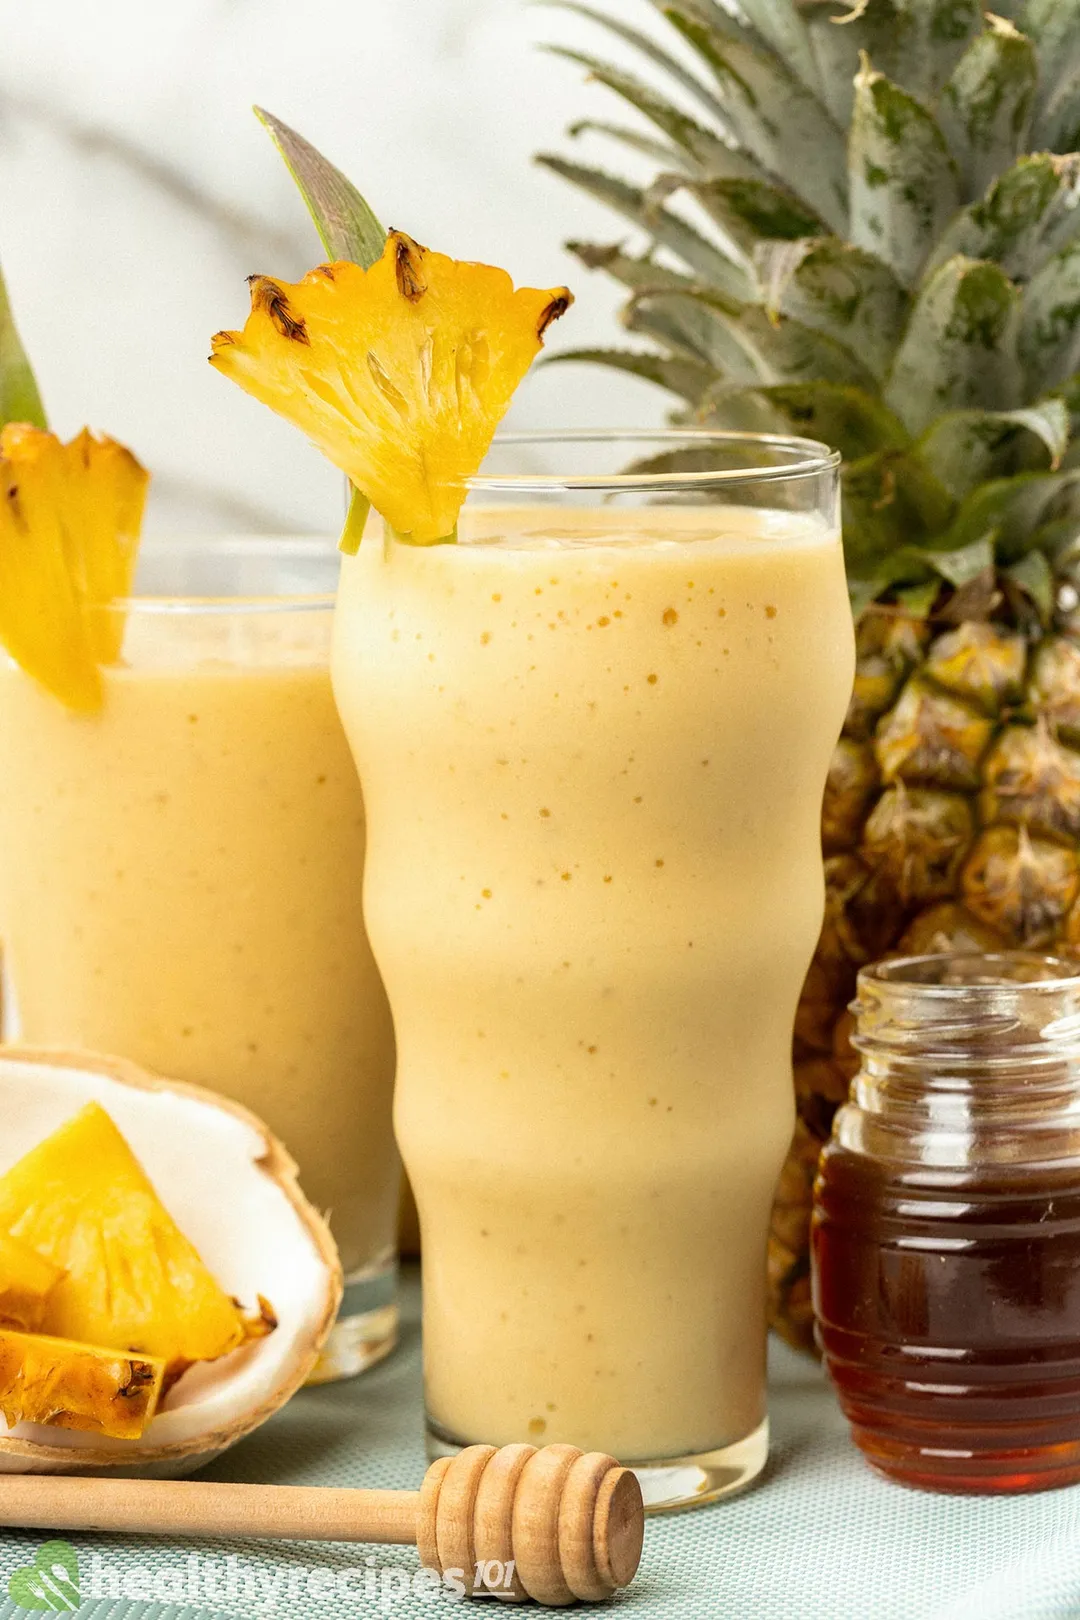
(946, 1227)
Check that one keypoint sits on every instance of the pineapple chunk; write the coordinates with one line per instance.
(26, 1281)
(77, 1386)
(399, 374)
(70, 516)
(133, 1281)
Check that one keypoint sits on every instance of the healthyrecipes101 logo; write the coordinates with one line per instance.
(256, 1588)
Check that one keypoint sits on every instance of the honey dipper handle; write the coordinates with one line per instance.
(173, 1507)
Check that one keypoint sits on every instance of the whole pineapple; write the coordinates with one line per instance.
(863, 228)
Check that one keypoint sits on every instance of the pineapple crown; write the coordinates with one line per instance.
(868, 228)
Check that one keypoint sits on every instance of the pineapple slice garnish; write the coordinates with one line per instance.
(27, 1280)
(133, 1281)
(399, 374)
(70, 516)
(77, 1386)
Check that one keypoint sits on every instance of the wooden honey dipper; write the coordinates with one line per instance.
(570, 1523)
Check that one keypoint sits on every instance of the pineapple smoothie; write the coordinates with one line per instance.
(180, 873)
(593, 742)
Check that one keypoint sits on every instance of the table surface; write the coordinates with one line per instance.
(818, 1538)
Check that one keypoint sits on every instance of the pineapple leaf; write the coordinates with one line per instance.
(1012, 509)
(699, 143)
(986, 108)
(709, 14)
(346, 225)
(960, 345)
(780, 26)
(963, 563)
(904, 184)
(649, 49)
(840, 290)
(734, 164)
(1028, 213)
(689, 379)
(780, 349)
(638, 274)
(1049, 342)
(1059, 126)
(20, 400)
(1054, 27)
(916, 42)
(836, 52)
(774, 117)
(694, 331)
(659, 223)
(846, 418)
(1034, 576)
(632, 138)
(891, 502)
(968, 448)
(743, 410)
(752, 211)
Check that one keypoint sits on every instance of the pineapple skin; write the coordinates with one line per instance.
(66, 1385)
(951, 822)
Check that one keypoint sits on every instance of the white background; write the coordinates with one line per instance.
(137, 191)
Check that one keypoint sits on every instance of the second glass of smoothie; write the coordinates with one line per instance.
(180, 880)
(593, 737)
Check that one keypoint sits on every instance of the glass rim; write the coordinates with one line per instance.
(898, 973)
(809, 458)
(286, 546)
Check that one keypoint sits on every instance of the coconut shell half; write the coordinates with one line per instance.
(232, 1189)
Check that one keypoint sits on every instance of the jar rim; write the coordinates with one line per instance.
(1032, 971)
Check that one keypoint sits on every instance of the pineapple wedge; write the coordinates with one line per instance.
(70, 516)
(399, 374)
(77, 1386)
(133, 1281)
(27, 1280)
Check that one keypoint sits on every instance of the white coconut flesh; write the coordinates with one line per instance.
(231, 1188)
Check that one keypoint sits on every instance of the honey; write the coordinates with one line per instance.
(946, 1230)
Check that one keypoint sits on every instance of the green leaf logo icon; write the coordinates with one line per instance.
(50, 1582)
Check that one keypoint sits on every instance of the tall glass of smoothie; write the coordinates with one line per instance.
(593, 736)
(180, 879)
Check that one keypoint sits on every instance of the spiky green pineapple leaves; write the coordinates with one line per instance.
(705, 258)
(753, 83)
(870, 243)
(916, 43)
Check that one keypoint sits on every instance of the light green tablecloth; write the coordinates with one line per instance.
(820, 1538)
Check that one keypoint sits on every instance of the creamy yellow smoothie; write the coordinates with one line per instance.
(593, 743)
(180, 884)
